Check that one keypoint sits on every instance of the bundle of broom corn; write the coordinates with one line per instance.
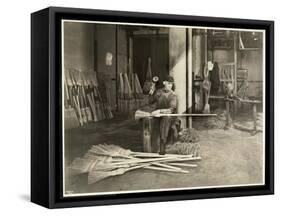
(148, 78)
(103, 161)
(130, 94)
(136, 88)
(83, 101)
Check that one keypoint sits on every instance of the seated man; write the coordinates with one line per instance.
(164, 101)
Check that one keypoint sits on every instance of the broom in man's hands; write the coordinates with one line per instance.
(139, 114)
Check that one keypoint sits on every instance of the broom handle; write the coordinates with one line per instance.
(187, 114)
(165, 169)
(182, 115)
(92, 106)
(136, 167)
(170, 159)
(166, 166)
(76, 96)
(132, 161)
(147, 154)
(66, 90)
(146, 166)
(78, 103)
(185, 159)
(182, 164)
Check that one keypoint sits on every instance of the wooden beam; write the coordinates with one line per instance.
(235, 48)
(189, 76)
(177, 67)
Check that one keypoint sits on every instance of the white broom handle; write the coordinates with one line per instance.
(182, 164)
(148, 154)
(167, 166)
(165, 169)
(132, 161)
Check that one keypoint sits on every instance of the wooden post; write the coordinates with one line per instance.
(227, 114)
(117, 107)
(151, 134)
(146, 122)
(235, 47)
(205, 46)
(255, 117)
(189, 76)
(197, 66)
(177, 67)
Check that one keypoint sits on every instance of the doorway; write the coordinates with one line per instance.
(156, 47)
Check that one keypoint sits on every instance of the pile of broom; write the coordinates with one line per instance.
(103, 161)
(83, 101)
(130, 93)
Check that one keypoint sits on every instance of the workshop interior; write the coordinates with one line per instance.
(148, 108)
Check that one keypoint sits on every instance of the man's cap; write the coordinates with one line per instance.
(169, 79)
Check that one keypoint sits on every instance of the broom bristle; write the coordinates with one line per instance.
(70, 119)
(206, 109)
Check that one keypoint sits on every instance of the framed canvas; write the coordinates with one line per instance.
(138, 107)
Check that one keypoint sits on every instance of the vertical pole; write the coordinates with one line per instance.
(205, 96)
(227, 113)
(235, 46)
(189, 76)
(255, 117)
(197, 64)
(93, 46)
(131, 49)
(178, 67)
(206, 45)
(116, 66)
(235, 62)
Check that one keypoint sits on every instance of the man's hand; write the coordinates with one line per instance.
(156, 113)
(152, 89)
(165, 111)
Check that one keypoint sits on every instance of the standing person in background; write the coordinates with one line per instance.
(215, 79)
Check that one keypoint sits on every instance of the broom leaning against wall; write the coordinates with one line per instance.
(75, 96)
(70, 117)
(85, 100)
(97, 98)
(79, 82)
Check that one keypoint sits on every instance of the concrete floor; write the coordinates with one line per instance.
(229, 157)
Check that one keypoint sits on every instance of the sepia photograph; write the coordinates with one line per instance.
(151, 107)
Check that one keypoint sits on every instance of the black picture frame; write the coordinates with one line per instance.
(46, 120)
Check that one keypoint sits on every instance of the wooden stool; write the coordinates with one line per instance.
(151, 134)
